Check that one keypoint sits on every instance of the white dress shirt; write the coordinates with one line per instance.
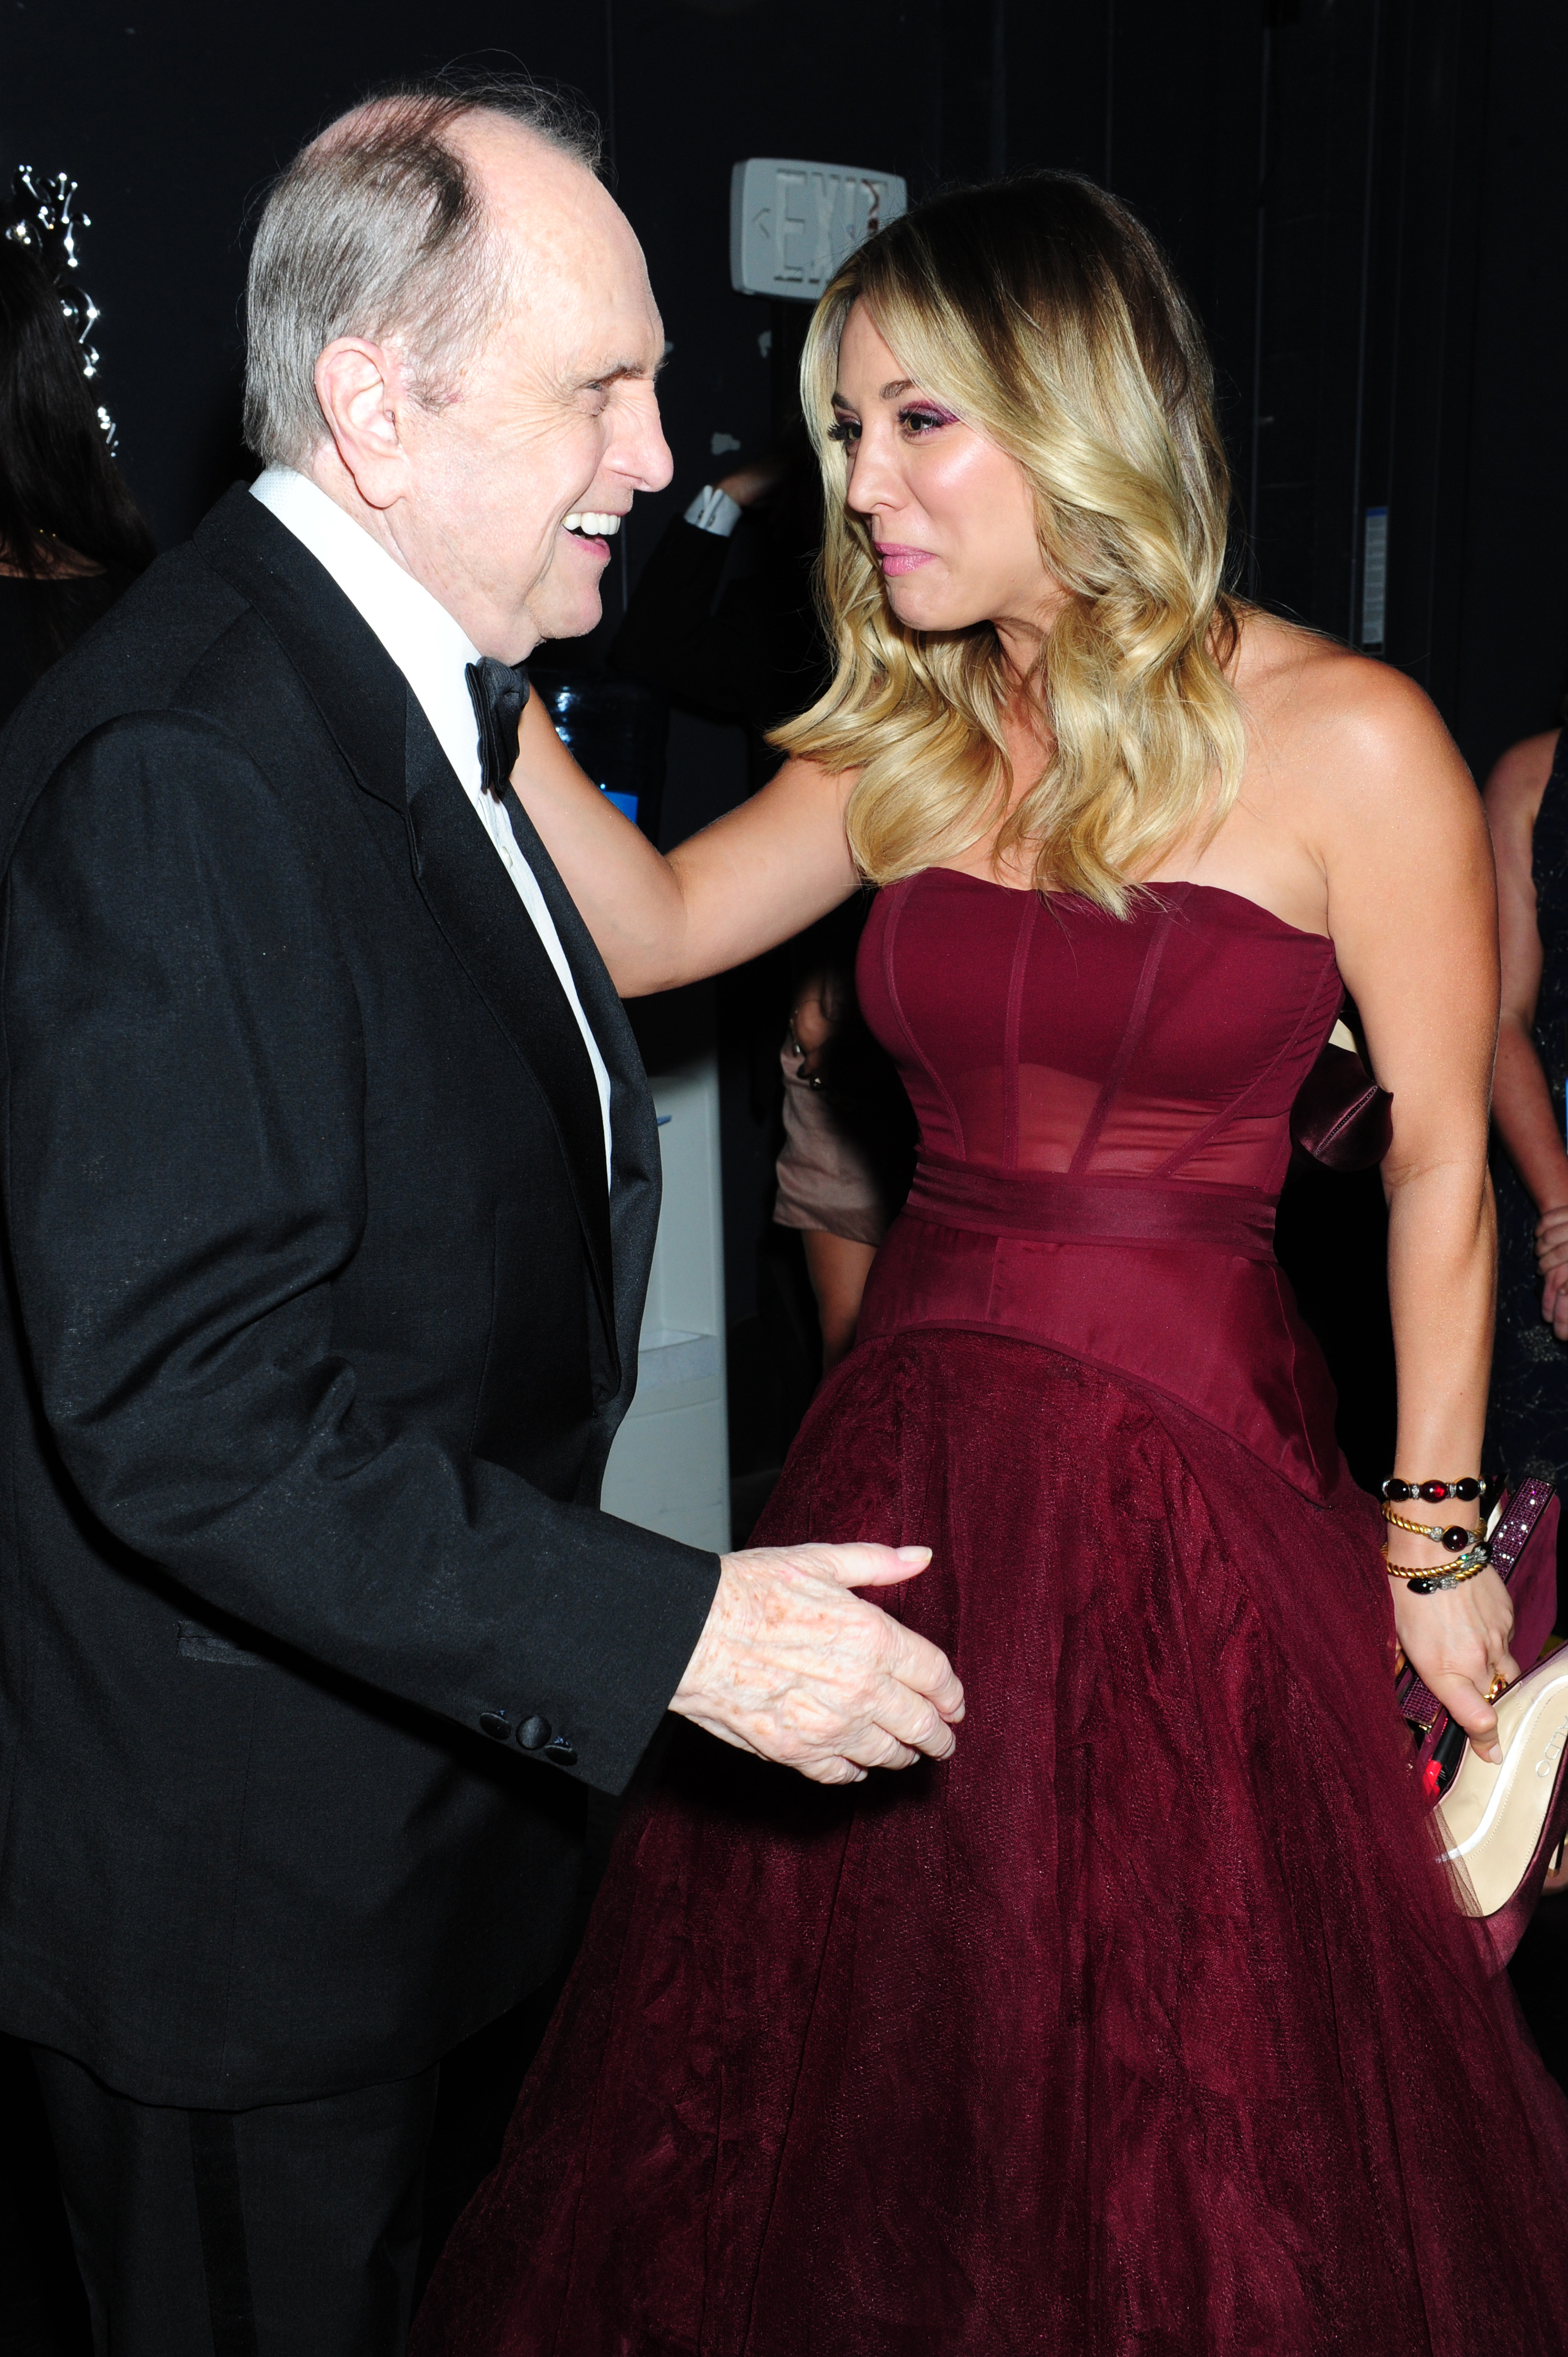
(432, 652)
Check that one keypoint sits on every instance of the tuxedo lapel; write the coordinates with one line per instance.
(472, 899)
(383, 735)
(634, 1128)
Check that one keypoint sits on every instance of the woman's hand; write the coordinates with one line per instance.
(1457, 1643)
(749, 484)
(810, 1027)
(1551, 1259)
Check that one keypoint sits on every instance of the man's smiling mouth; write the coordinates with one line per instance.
(589, 525)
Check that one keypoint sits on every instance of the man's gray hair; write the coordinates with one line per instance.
(378, 230)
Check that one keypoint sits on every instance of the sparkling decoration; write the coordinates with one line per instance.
(42, 212)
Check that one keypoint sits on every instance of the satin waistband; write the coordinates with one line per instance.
(1042, 1204)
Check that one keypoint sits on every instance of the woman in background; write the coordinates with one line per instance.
(1527, 808)
(72, 538)
(1148, 2021)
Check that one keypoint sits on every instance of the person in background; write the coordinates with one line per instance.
(749, 647)
(71, 537)
(827, 1187)
(1527, 808)
(751, 650)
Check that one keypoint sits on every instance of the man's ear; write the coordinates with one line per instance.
(359, 387)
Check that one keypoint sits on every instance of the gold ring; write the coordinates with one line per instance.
(1498, 1685)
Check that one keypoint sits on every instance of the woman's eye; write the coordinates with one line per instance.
(846, 431)
(924, 421)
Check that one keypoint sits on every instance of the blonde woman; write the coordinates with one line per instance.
(1147, 2022)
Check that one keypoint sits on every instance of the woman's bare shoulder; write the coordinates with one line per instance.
(1343, 732)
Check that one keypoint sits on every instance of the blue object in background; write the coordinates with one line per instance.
(614, 729)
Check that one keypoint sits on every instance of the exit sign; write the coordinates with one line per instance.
(791, 224)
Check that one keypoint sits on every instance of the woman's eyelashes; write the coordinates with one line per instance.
(916, 420)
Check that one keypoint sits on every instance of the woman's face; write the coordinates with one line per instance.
(951, 515)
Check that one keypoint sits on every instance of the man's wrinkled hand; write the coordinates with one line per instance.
(794, 1667)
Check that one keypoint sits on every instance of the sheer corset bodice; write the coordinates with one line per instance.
(1104, 1109)
(1046, 1036)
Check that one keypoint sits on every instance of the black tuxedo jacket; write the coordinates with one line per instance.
(320, 1322)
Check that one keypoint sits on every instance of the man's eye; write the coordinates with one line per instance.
(846, 431)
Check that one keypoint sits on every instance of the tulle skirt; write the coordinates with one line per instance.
(1144, 2027)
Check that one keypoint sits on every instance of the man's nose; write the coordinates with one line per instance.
(644, 454)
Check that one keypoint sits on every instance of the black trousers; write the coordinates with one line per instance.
(289, 2230)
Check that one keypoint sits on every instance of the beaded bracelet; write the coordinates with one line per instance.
(1456, 1537)
(1396, 1492)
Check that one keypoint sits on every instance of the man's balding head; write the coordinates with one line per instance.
(451, 330)
(378, 228)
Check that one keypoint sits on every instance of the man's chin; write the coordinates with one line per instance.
(569, 617)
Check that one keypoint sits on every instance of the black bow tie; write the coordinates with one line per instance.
(499, 693)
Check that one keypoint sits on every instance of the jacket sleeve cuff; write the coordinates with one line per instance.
(592, 1716)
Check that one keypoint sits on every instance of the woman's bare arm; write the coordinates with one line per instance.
(1521, 1102)
(757, 876)
(1412, 912)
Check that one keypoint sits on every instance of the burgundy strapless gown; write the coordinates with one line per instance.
(1146, 2025)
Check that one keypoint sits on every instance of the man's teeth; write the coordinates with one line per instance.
(593, 527)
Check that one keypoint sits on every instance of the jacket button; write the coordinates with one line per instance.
(534, 1733)
(563, 1754)
(493, 1723)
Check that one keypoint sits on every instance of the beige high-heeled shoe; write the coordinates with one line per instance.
(1503, 1823)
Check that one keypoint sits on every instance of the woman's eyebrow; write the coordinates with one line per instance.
(900, 385)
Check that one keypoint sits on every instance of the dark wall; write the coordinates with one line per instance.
(1364, 197)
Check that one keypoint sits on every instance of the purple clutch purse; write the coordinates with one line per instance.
(1341, 1117)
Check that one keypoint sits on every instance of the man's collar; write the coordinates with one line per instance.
(427, 645)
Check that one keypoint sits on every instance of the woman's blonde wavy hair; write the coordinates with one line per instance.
(1043, 314)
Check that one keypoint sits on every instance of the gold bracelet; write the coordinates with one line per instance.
(1455, 1536)
(1426, 1579)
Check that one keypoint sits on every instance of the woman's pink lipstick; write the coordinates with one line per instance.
(895, 559)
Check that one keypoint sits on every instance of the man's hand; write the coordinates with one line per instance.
(793, 1667)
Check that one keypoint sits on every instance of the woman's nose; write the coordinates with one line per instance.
(872, 482)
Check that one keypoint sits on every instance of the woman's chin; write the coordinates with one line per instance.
(926, 607)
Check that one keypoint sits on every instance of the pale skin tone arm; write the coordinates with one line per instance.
(1522, 1104)
(1385, 811)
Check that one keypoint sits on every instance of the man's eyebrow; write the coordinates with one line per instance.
(619, 369)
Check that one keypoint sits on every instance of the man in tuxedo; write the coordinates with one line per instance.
(331, 1181)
